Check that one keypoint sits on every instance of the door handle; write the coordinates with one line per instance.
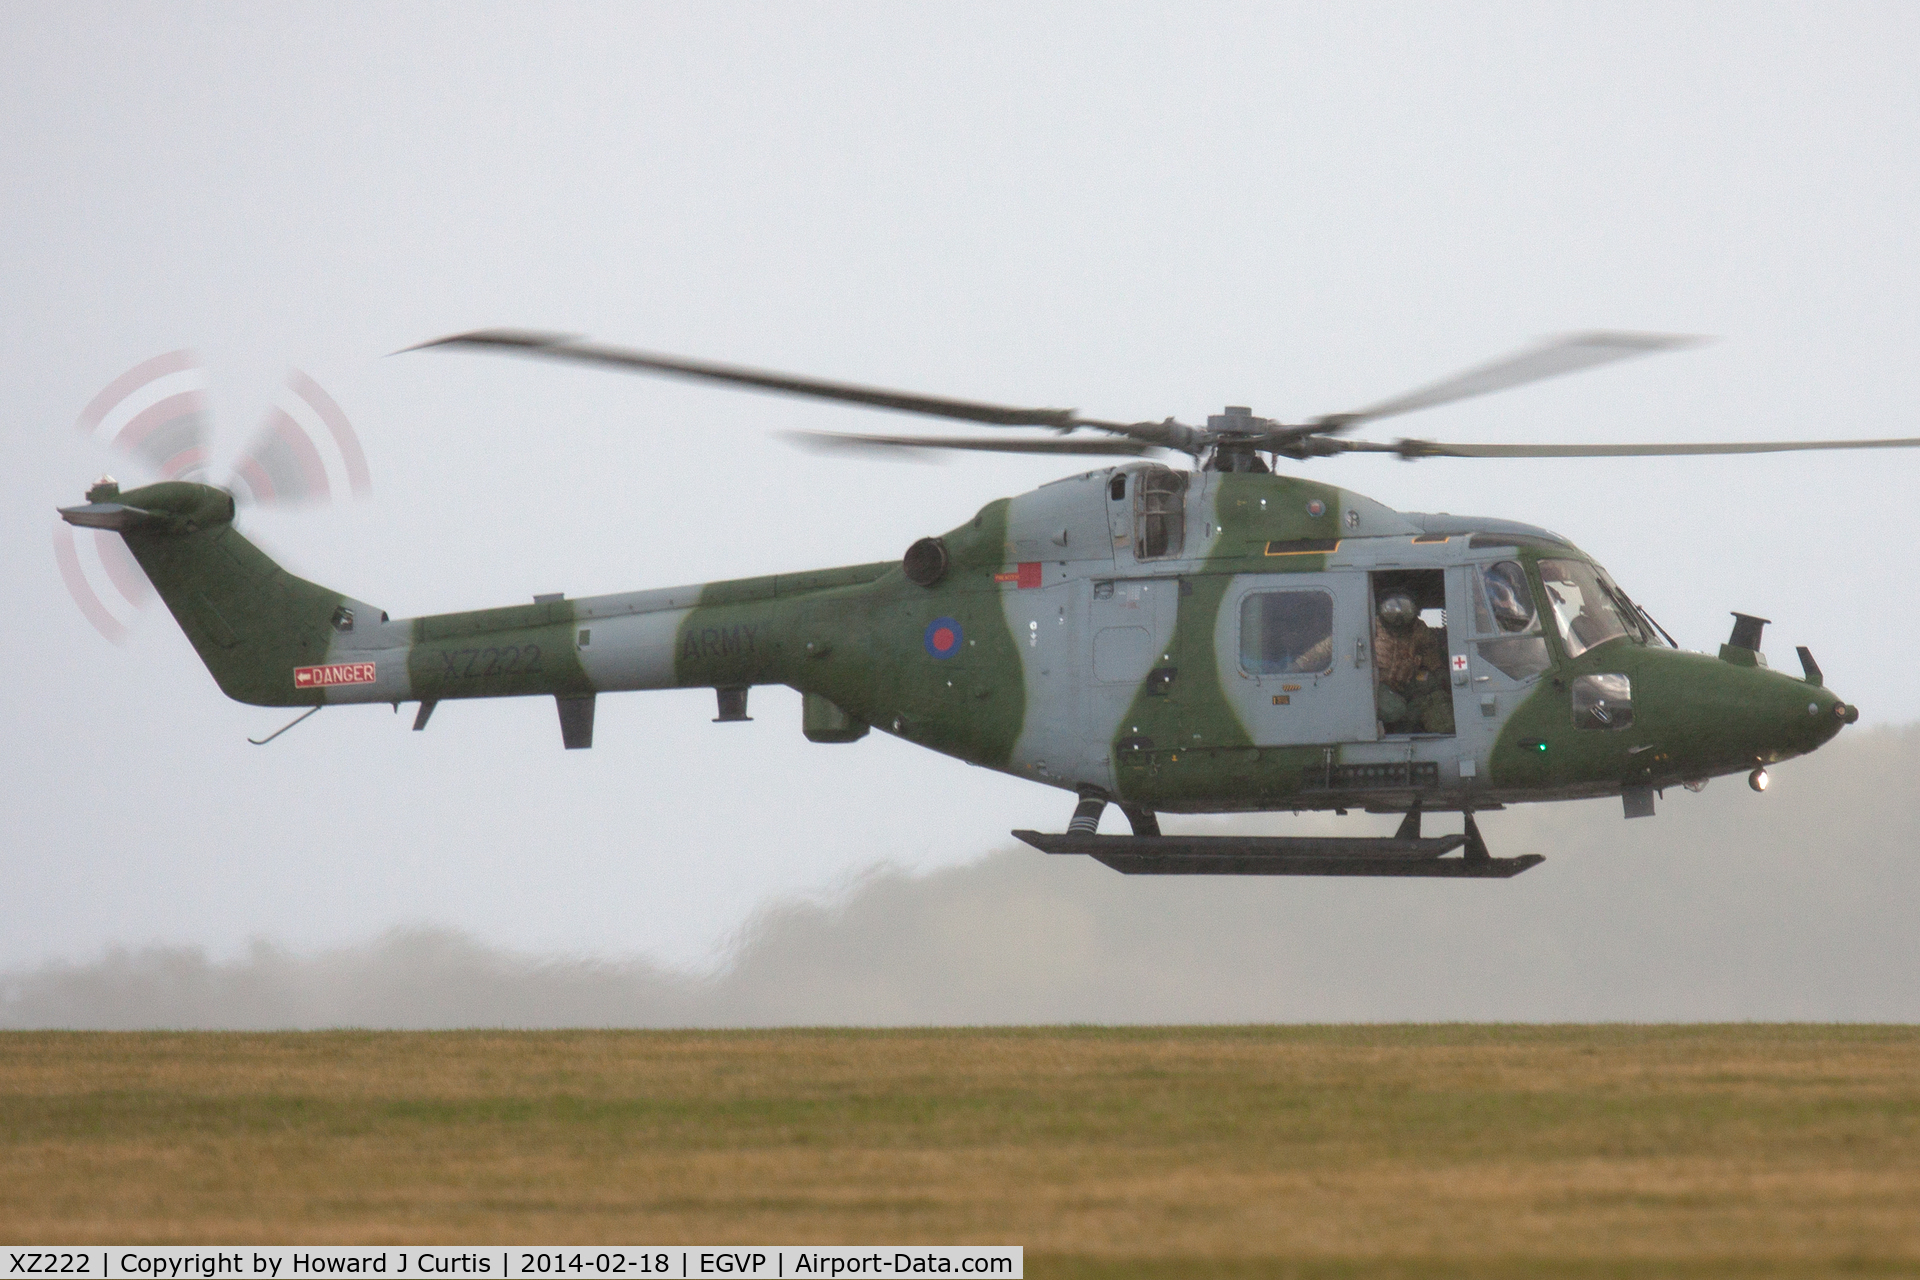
(1360, 652)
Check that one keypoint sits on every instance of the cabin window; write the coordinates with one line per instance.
(1160, 513)
(1587, 608)
(1117, 487)
(1286, 632)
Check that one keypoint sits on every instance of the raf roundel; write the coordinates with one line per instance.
(943, 637)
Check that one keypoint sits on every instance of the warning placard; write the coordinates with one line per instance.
(334, 673)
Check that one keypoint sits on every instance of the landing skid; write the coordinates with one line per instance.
(1282, 855)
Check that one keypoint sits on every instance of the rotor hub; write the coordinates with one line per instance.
(1237, 420)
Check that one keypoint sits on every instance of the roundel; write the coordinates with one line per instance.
(943, 637)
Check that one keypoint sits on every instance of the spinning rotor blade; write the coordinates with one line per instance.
(123, 589)
(286, 461)
(158, 413)
(1570, 353)
(1433, 449)
(563, 347)
(836, 441)
(169, 435)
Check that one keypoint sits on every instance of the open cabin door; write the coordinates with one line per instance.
(1296, 658)
(1415, 668)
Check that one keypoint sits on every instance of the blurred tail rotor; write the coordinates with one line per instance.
(156, 412)
(157, 415)
(103, 578)
(306, 451)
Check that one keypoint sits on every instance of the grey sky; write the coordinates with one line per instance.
(1137, 212)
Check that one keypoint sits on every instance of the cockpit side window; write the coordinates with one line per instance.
(1503, 608)
(1160, 513)
(1587, 608)
(1503, 592)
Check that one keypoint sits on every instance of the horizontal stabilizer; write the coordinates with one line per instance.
(109, 515)
(1281, 855)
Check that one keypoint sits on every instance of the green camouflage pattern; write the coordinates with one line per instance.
(1053, 646)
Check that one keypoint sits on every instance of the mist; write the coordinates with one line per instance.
(1794, 905)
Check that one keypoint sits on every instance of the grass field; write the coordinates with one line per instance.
(1301, 1151)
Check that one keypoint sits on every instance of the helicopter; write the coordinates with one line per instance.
(1217, 638)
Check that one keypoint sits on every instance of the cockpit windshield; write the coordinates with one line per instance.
(1588, 609)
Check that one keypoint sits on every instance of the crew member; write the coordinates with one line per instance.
(1413, 694)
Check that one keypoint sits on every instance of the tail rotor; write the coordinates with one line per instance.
(305, 452)
(157, 417)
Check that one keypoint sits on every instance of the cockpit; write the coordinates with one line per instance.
(1585, 606)
(1588, 609)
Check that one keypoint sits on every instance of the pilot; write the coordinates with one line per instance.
(1506, 585)
(1413, 694)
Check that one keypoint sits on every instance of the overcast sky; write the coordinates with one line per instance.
(1135, 211)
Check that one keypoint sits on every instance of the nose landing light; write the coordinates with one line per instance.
(1758, 779)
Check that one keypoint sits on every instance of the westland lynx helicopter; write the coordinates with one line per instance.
(1222, 639)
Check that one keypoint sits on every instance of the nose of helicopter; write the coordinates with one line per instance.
(1797, 717)
(1727, 713)
(1828, 715)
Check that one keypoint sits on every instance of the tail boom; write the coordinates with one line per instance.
(270, 638)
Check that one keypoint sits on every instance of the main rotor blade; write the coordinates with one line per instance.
(1570, 353)
(1434, 449)
(563, 347)
(838, 441)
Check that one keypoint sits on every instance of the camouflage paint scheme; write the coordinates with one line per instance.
(1049, 649)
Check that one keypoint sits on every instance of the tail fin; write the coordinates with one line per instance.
(251, 621)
